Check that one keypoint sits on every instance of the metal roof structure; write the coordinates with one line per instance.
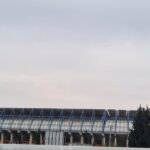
(74, 120)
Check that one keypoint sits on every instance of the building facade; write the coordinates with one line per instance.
(97, 127)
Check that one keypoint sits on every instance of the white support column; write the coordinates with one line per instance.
(115, 141)
(127, 141)
(11, 137)
(103, 140)
(92, 139)
(30, 138)
(2, 137)
(41, 139)
(71, 139)
(82, 139)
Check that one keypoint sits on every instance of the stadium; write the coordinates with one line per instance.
(96, 127)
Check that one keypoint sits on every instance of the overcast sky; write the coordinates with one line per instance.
(75, 53)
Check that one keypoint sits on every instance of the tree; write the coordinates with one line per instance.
(140, 134)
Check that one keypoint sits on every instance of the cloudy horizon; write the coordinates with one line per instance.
(74, 54)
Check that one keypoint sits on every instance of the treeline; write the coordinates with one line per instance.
(140, 134)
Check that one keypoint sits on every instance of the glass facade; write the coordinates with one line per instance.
(36, 124)
(65, 125)
(16, 124)
(87, 126)
(110, 126)
(58, 120)
(45, 125)
(122, 126)
(76, 125)
(98, 125)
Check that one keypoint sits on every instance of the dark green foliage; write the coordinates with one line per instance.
(140, 134)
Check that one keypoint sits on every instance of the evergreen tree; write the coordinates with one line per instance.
(140, 134)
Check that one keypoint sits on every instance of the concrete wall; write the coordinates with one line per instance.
(48, 147)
